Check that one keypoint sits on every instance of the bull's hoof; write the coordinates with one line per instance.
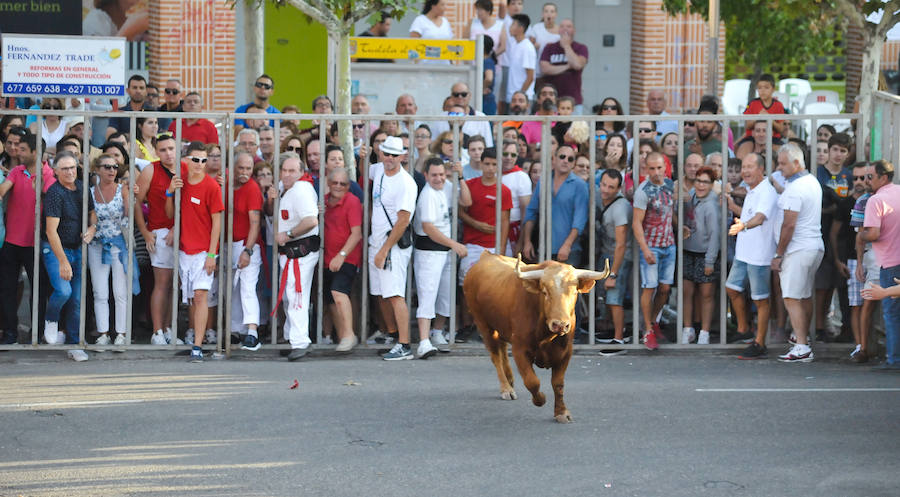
(538, 399)
(565, 417)
(510, 395)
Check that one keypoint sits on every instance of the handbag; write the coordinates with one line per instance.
(405, 240)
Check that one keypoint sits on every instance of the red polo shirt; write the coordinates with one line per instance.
(246, 198)
(202, 131)
(339, 218)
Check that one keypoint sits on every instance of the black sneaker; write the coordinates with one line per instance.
(753, 351)
(250, 343)
(614, 352)
(746, 337)
(464, 334)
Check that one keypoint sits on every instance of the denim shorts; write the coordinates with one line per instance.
(616, 295)
(757, 275)
(661, 272)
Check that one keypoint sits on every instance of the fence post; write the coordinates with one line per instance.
(36, 325)
(176, 239)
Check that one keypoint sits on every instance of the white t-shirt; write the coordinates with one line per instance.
(803, 196)
(503, 59)
(433, 207)
(757, 246)
(543, 38)
(396, 193)
(522, 56)
(297, 203)
(494, 31)
(519, 185)
(431, 31)
(470, 128)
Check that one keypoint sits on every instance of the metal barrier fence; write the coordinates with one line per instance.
(226, 272)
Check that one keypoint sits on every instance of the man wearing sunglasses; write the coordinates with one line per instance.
(263, 88)
(461, 95)
(201, 222)
(171, 101)
(569, 206)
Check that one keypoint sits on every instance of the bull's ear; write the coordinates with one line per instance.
(585, 285)
(532, 286)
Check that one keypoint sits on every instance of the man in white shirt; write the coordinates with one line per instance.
(522, 59)
(753, 252)
(800, 248)
(656, 105)
(432, 226)
(393, 205)
(297, 231)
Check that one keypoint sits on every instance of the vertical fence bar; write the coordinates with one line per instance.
(454, 227)
(637, 322)
(546, 194)
(176, 240)
(320, 202)
(592, 227)
(364, 264)
(723, 239)
(679, 235)
(224, 261)
(226, 257)
(498, 148)
(85, 191)
(276, 216)
(129, 236)
(36, 325)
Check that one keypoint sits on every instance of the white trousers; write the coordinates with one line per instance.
(296, 305)
(244, 302)
(432, 272)
(100, 286)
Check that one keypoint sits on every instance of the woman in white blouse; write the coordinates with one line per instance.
(432, 25)
(485, 24)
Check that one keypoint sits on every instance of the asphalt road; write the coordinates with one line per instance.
(357, 426)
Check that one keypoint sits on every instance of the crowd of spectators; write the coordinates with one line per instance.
(818, 223)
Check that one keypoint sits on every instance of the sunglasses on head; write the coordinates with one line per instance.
(264, 86)
(570, 158)
(201, 160)
(18, 131)
(460, 94)
(172, 91)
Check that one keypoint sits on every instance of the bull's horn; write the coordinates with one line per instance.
(593, 275)
(527, 275)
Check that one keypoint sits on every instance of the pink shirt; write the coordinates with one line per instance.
(883, 212)
(20, 205)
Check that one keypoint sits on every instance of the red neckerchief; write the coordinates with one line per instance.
(308, 178)
(514, 169)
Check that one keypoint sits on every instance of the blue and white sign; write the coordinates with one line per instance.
(63, 66)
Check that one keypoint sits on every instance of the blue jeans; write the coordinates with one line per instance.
(66, 296)
(890, 308)
(661, 272)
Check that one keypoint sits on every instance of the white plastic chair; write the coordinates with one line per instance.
(797, 90)
(734, 96)
(813, 108)
(822, 96)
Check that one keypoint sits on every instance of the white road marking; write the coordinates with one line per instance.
(864, 389)
(74, 403)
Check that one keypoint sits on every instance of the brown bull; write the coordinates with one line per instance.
(533, 308)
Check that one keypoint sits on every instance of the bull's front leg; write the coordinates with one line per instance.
(558, 379)
(526, 371)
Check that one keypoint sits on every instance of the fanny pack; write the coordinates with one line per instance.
(300, 248)
(426, 243)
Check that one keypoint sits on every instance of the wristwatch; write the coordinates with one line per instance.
(289, 234)
(249, 251)
(343, 253)
(613, 275)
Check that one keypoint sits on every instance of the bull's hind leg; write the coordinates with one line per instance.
(504, 358)
(497, 349)
(531, 381)
(557, 379)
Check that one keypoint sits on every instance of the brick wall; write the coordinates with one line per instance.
(669, 53)
(193, 40)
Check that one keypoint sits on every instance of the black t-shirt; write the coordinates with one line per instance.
(368, 33)
(846, 237)
(65, 204)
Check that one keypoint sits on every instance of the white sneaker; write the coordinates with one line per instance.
(347, 344)
(60, 338)
(426, 349)
(120, 339)
(51, 333)
(856, 350)
(703, 338)
(189, 336)
(158, 338)
(103, 339)
(438, 339)
(798, 353)
(326, 340)
(168, 335)
(687, 334)
(78, 355)
(211, 337)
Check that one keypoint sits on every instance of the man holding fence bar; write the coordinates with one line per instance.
(18, 246)
(245, 254)
(61, 250)
(201, 223)
(297, 236)
(800, 247)
(152, 184)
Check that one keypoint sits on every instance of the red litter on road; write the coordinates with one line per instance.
(294, 385)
